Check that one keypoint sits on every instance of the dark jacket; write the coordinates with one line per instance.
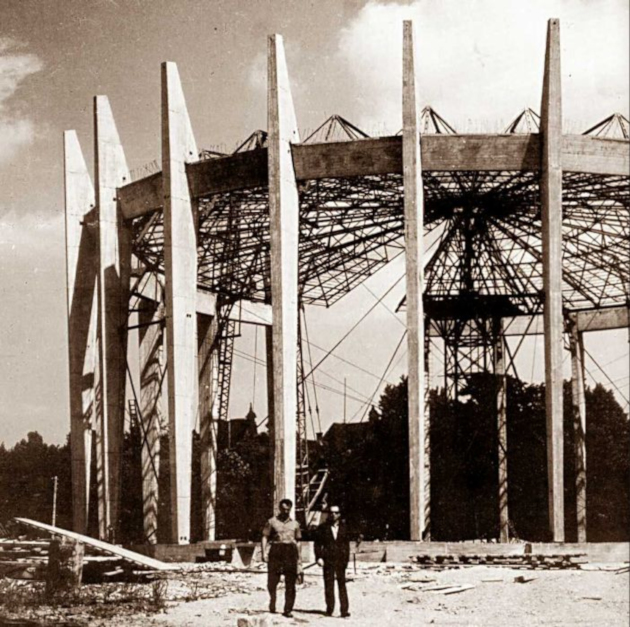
(331, 550)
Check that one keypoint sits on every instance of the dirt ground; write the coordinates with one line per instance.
(378, 597)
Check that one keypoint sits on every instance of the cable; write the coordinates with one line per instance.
(363, 317)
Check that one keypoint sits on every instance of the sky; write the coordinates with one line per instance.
(480, 65)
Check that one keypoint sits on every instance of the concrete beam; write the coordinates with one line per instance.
(81, 274)
(414, 251)
(152, 373)
(551, 200)
(284, 211)
(243, 311)
(114, 275)
(209, 398)
(576, 343)
(180, 246)
(383, 155)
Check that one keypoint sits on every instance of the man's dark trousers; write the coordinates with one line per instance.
(282, 561)
(335, 570)
(336, 553)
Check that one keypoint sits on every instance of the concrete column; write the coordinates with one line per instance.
(114, 275)
(284, 224)
(81, 272)
(576, 340)
(180, 256)
(427, 436)
(209, 398)
(551, 201)
(270, 405)
(414, 250)
(151, 336)
(501, 376)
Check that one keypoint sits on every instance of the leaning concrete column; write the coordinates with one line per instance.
(180, 256)
(576, 340)
(551, 201)
(501, 381)
(284, 224)
(151, 319)
(81, 269)
(208, 329)
(414, 215)
(114, 275)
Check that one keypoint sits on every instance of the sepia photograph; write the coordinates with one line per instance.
(314, 313)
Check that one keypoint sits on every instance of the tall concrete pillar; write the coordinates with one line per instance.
(114, 276)
(284, 224)
(414, 250)
(180, 256)
(501, 377)
(151, 336)
(81, 272)
(576, 340)
(551, 201)
(209, 398)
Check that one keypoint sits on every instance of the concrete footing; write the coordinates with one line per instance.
(246, 553)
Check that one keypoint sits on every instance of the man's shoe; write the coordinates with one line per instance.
(272, 608)
(329, 612)
(345, 615)
(287, 614)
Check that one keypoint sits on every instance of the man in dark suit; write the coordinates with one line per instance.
(332, 552)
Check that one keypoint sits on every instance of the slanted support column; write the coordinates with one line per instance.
(284, 223)
(208, 329)
(576, 342)
(414, 250)
(114, 276)
(151, 336)
(501, 383)
(180, 257)
(81, 272)
(551, 201)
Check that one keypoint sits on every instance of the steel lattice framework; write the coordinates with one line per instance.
(489, 226)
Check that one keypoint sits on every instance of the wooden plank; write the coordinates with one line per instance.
(132, 556)
(284, 233)
(414, 251)
(81, 272)
(551, 200)
(596, 155)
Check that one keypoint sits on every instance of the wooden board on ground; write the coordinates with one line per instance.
(99, 544)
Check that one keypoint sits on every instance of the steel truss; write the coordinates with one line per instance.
(488, 256)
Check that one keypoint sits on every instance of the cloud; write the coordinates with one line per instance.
(481, 62)
(16, 129)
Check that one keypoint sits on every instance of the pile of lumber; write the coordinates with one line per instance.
(528, 561)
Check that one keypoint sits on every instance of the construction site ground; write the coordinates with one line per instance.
(380, 594)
